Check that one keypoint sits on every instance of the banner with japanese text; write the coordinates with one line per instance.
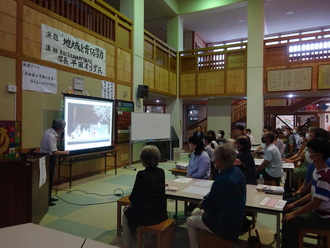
(64, 49)
(39, 78)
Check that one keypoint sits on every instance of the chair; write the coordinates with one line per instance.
(164, 232)
(207, 240)
(322, 237)
(253, 215)
(122, 202)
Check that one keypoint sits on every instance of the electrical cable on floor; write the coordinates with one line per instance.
(117, 192)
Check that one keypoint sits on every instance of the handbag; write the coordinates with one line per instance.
(253, 241)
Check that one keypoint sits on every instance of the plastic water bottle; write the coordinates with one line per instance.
(261, 180)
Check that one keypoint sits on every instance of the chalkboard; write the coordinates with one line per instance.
(150, 126)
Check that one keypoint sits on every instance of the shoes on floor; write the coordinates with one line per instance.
(51, 204)
(246, 226)
(53, 199)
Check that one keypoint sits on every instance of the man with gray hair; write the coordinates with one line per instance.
(49, 145)
(222, 209)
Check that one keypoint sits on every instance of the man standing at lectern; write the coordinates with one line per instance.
(49, 145)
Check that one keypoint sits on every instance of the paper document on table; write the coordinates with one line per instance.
(258, 161)
(205, 183)
(280, 204)
(183, 180)
(273, 203)
(196, 190)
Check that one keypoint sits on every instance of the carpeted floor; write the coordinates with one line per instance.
(88, 209)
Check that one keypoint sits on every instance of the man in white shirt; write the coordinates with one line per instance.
(49, 145)
(248, 133)
(271, 167)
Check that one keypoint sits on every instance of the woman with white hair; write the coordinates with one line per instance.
(147, 200)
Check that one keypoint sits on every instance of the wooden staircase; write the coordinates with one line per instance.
(290, 109)
(239, 108)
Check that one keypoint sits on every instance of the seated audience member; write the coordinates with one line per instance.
(271, 166)
(290, 143)
(266, 130)
(214, 142)
(239, 130)
(222, 209)
(248, 133)
(221, 137)
(300, 164)
(314, 212)
(245, 162)
(199, 162)
(305, 188)
(147, 200)
(296, 135)
(208, 147)
(199, 132)
(279, 143)
(231, 142)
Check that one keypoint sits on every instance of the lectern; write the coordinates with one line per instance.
(22, 198)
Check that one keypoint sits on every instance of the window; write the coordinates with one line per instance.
(309, 51)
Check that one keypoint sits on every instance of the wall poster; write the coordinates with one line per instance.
(289, 79)
(324, 77)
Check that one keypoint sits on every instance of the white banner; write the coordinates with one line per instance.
(39, 78)
(64, 49)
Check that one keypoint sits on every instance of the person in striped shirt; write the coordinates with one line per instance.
(314, 212)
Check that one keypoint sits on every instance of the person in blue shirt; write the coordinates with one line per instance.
(222, 209)
(199, 162)
(199, 166)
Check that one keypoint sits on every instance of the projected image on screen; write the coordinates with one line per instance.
(88, 123)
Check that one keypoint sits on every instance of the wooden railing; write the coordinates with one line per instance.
(211, 58)
(159, 52)
(95, 15)
(238, 112)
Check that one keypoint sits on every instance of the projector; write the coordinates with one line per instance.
(181, 165)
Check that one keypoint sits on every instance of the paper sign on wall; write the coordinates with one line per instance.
(39, 78)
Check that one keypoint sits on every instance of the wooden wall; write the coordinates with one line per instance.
(221, 71)
(277, 56)
(207, 72)
(160, 72)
